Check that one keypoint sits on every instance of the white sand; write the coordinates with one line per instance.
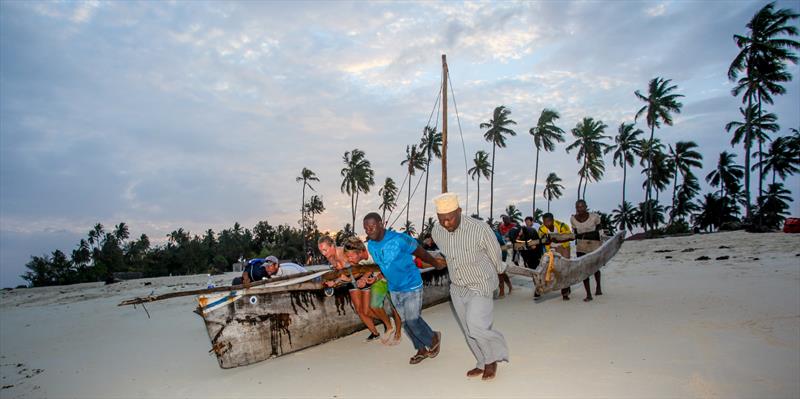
(664, 328)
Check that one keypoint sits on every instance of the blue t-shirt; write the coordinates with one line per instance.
(393, 256)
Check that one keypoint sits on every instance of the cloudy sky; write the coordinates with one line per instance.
(201, 114)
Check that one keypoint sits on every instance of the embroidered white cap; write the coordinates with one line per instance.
(446, 202)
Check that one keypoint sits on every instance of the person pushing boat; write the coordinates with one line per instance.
(474, 262)
(392, 252)
(360, 291)
(355, 251)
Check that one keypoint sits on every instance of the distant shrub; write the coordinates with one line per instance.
(677, 227)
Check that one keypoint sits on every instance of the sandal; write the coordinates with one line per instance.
(434, 351)
(418, 358)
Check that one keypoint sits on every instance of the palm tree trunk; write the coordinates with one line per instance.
(747, 159)
(478, 202)
(624, 176)
(535, 180)
(760, 160)
(548, 205)
(584, 188)
(580, 182)
(303, 216)
(408, 201)
(491, 185)
(649, 195)
(355, 209)
(425, 201)
(674, 191)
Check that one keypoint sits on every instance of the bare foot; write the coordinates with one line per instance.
(386, 337)
(475, 372)
(489, 371)
(587, 299)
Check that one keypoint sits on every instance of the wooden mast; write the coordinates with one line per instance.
(444, 123)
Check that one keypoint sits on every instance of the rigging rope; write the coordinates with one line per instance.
(463, 146)
(435, 109)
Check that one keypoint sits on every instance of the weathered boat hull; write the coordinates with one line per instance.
(250, 326)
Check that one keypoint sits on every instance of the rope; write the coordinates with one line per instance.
(547, 276)
(434, 110)
(463, 146)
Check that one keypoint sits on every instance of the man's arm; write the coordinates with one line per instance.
(493, 250)
(423, 255)
(246, 279)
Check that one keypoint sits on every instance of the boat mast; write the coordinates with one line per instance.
(444, 123)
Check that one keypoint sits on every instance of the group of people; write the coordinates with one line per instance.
(585, 227)
(471, 251)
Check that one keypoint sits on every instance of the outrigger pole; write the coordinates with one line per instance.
(444, 123)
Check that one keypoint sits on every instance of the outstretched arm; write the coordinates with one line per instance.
(423, 255)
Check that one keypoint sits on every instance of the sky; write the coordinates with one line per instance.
(201, 114)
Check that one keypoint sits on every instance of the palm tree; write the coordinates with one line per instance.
(545, 135)
(121, 232)
(315, 206)
(431, 146)
(754, 127)
(660, 103)
(388, 194)
(415, 160)
(357, 177)
(552, 188)
(624, 217)
(514, 213)
(626, 149)
(496, 134)
(480, 168)
(659, 175)
(650, 214)
(726, 174)
(408, 228)
(683, 205)
(773, 205)
(306, 176)
(537, 215)
(782, 159)
(763, 55)
(684, 158)
(589, 135)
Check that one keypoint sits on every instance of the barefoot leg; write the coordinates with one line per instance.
(356, 297)
(598, 291)
(588, 289)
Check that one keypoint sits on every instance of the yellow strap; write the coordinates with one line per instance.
(547, 274)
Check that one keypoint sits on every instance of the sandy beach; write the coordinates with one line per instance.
(668, 326)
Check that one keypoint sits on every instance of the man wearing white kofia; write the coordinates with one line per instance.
(474, 261)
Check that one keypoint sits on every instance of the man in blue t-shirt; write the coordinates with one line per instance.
(392, 252)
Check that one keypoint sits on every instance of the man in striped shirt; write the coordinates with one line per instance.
(473, 259)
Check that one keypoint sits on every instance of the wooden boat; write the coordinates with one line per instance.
(246, 326)
(555, 272)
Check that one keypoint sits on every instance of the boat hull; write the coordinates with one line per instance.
(250, 326)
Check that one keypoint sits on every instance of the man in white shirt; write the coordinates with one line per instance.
(277, 269)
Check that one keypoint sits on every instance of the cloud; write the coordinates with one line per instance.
(167, 115)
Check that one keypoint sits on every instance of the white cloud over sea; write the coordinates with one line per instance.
(200, 114)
